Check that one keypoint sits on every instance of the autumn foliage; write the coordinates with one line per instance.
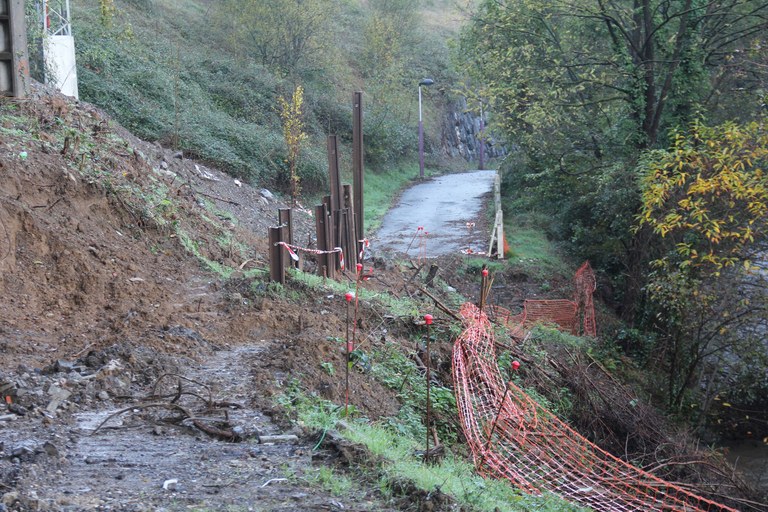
(291, 113)
(708, 194)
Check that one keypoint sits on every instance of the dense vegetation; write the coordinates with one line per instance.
(652, 167)
(207, 77)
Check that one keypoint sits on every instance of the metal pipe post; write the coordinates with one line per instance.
(421, 140)
(428, 363)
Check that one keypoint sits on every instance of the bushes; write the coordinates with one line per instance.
(218, 109)
(171, 77)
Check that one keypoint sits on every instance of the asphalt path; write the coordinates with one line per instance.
(442, 206)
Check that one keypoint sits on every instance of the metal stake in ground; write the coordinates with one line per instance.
(483, 289)
(428, 320)
(348, 298)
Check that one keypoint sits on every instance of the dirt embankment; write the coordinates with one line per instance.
(109, 304)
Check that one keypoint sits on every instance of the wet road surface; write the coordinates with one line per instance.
(442, 206)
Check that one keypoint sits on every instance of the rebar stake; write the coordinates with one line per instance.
(483, 289)
(428, 320)
(348, 298)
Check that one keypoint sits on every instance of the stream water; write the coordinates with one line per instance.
(750, 457)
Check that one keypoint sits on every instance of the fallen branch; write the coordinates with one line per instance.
(174, 407)
(209, 196)
(223, 434)
(439, 304)
(180, 377)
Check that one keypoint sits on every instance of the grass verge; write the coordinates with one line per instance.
(529, 246)
(399, 461)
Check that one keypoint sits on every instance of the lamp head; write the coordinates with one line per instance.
(426, 81)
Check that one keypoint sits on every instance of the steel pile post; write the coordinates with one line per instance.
(276, 260)
(333, 173)
(332, 260)
(350, 227)
(322, 244)
(357, 164)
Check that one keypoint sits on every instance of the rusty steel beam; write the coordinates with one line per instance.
(333, 173)
(276, 259)
(14, 60)
(357, 163)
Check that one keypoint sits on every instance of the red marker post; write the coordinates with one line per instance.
(428, 321)
(348, 297)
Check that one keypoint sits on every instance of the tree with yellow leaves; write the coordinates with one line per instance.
(291, 113)
(706, 199)
(708, 194)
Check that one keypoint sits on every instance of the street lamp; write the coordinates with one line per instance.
(481, 152)
(424, 82)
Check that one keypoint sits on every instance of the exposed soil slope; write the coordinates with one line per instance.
(107, 246)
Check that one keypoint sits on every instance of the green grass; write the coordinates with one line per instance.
(386, 301)
(396, 450)
(527, 243)
(530, 248)
(332, 481)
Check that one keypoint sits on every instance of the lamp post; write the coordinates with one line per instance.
(481, 152)
(424, 82)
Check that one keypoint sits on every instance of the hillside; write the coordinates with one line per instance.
(189, 76)
(148, 363)
(123, 266)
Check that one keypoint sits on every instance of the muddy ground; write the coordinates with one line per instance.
(133, 376)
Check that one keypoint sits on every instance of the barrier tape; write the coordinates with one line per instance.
(292, 249)
(365, 245)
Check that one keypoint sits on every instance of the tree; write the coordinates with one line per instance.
(708, 195)
(584, 88)
(587, 68)
(387, 61)
(284, 35)
(291, 112)
(107, 11)
(706, 199)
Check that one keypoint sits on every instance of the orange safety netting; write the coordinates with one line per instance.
(575, 316)
(513, 437)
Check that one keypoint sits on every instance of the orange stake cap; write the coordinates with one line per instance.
(428, 319)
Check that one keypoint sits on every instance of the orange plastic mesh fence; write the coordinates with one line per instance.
(513, 437)
(575, 316)
(585, 286)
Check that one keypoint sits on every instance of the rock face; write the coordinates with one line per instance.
(462, 135)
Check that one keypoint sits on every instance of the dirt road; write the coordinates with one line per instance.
(442, 207)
